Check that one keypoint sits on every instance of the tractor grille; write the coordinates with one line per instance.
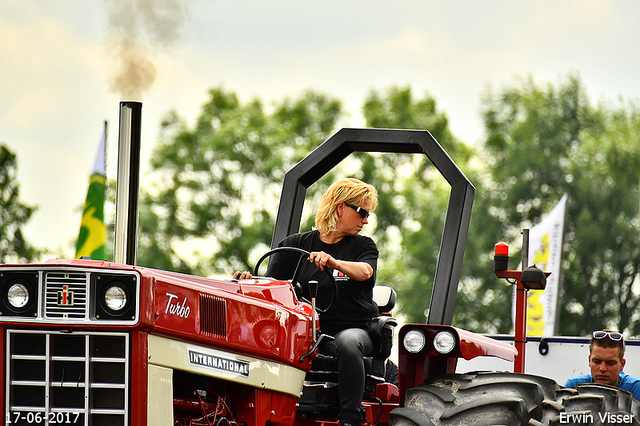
(79, 378)
(66, 295)
(213, 316)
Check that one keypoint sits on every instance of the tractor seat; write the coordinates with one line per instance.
(324, 368)
(385, 298)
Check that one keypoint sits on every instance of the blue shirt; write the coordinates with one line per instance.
(625, 382)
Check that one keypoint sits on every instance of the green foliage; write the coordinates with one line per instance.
(13, 214)
(220, 182)
(413, 197)
(418, 204)
(217, 185)
(543, 143)
(604, 230)
(483, 302)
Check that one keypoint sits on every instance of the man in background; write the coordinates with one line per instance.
(606, 361)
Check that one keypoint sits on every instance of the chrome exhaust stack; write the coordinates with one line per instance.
(128, 183)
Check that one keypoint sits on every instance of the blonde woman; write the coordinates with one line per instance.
(352, 258)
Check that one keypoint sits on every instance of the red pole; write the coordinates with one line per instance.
(521, 327)
(521, 308)
(501, 261)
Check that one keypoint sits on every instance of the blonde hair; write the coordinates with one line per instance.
(350, 191)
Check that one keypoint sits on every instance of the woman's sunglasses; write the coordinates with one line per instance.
(362, 212)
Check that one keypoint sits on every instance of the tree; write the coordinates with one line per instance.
(601, 275)
(413, 197)
(219, 183)
(418, 205)
(13, 213)
(542, 143)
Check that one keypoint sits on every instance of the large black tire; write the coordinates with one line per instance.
(483, 399)
(391, 373)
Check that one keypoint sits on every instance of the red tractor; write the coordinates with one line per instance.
(98, 343)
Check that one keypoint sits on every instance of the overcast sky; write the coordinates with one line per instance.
(58, 64)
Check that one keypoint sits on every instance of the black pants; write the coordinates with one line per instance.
(350, 346)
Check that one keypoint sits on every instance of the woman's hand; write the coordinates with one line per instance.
(246, 275)
(322, 259)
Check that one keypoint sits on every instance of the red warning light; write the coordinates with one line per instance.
(502, 249)
(501, 258)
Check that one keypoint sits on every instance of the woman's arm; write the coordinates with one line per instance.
(358, 271)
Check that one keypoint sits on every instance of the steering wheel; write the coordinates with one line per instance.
(303, 255)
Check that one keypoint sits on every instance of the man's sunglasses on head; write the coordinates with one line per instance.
(613, 335)
(362, 212)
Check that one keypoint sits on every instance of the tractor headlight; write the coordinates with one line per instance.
(444, 342)
(18, 295)
(414, 341)
(115, 298)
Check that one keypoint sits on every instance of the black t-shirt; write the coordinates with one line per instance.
(353, 305)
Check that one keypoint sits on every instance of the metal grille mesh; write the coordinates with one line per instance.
(81, 378)
(66, 295)
(213, 316)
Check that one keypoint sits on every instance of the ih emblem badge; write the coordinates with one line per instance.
(65, 297)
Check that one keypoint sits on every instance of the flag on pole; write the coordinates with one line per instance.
(92, 238)
(545, 251)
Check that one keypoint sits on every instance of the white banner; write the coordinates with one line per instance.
(545, 251)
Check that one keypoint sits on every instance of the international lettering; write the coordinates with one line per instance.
(219, 363)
